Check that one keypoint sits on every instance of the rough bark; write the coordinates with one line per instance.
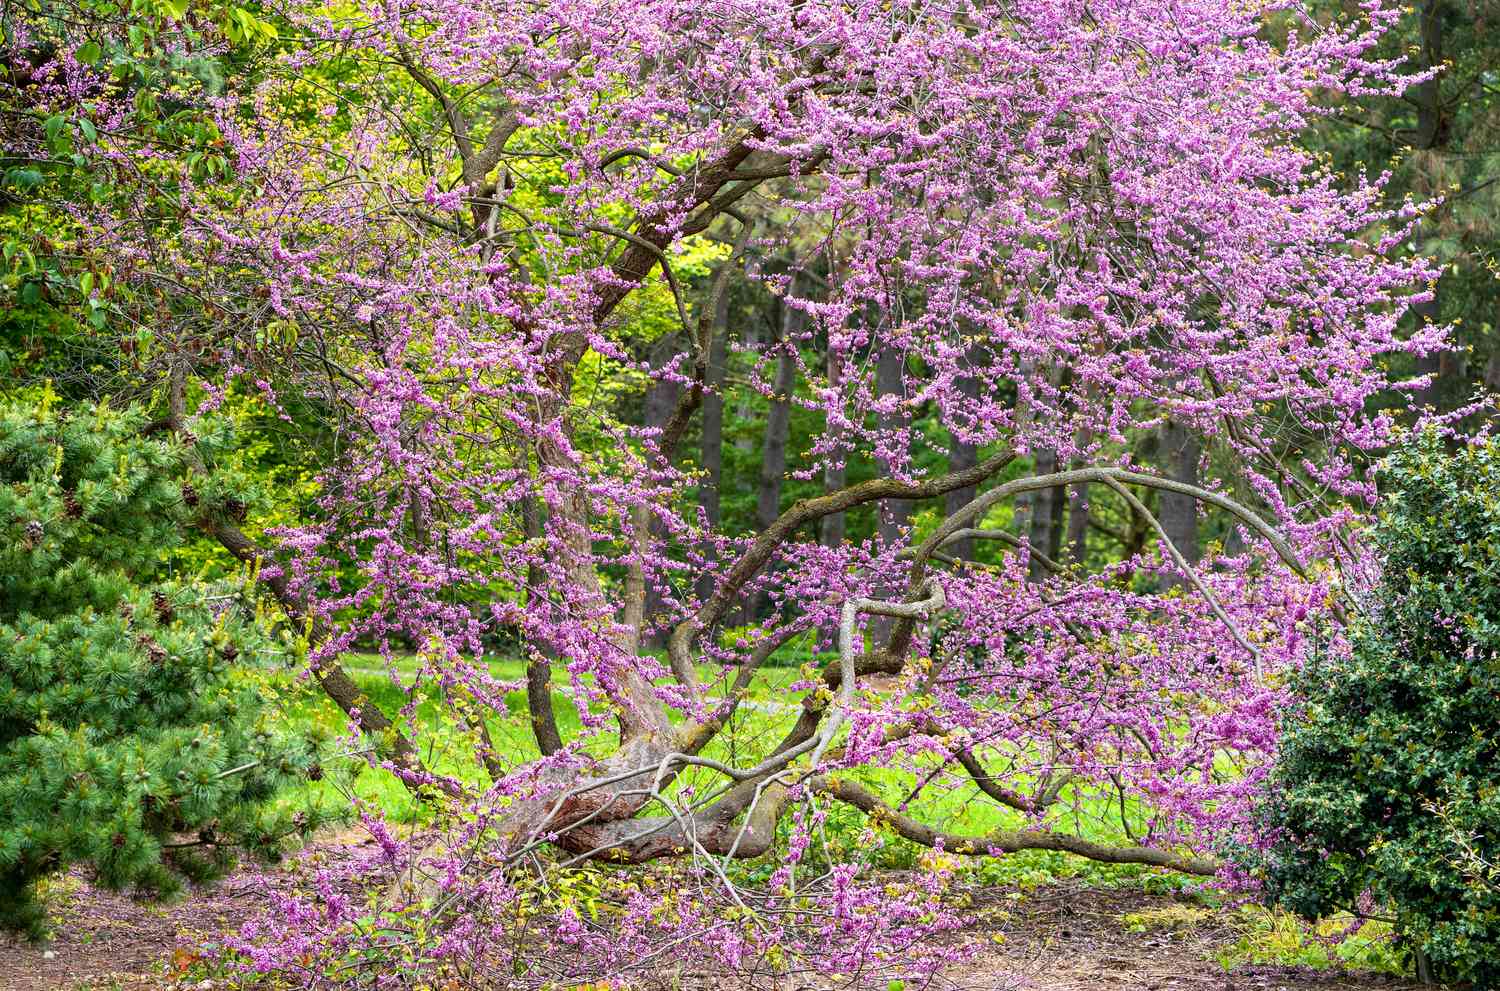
(539, 662)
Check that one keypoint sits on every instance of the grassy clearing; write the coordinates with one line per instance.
(763, 718)
(451, 746)
(768, 712)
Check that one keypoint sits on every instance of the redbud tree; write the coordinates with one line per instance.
(445, 228)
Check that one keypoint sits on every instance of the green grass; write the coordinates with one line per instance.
(449, 746)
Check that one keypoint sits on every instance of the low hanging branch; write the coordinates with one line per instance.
(330, 675)
(763, 788)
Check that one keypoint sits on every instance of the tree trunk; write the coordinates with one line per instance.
(1432, 134)
(1078, 522)
(892, 515)
(1039, 514)
(778, 421)
(539, 662)
(1180, 452)
(712, 453)
(1045, 523)
(662, 395)
(890, 381)
(778, 429)
(962, 455)
(835, 471)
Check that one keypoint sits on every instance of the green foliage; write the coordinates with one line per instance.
(1281, 939)
(65, 314)
(1389, 777)
(131, 738)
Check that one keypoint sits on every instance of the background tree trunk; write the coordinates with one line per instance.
(1179, 455)
(835, 471)
(1045, 522)
(778, 429)
(1432, 134)
(778, 420)
(661, 400)
(1078, 510)
(892, 515)
(712, 449)
(962, 455)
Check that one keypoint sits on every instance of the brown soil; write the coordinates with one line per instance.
(106, 941)
(1074, 939)
(1055, 939)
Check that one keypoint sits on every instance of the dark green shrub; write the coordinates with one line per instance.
(1389, 776)
(131, 740)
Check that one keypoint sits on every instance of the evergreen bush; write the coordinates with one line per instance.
(1387, 789)
(132, 739)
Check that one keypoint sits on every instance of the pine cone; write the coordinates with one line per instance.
(236, 509)
(190, 496)
(33, 535)
(71, 506)
(154, 651)
(164, 611)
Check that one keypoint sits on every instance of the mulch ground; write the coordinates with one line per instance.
(103, 941)
(1054, 939)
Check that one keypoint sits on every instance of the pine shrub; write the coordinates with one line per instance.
(132, 740)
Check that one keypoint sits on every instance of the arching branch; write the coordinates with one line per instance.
(802, 512)
(1191, 574)
(1005, 840)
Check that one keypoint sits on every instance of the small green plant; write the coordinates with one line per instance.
(1176, 918)
(1273, 936)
